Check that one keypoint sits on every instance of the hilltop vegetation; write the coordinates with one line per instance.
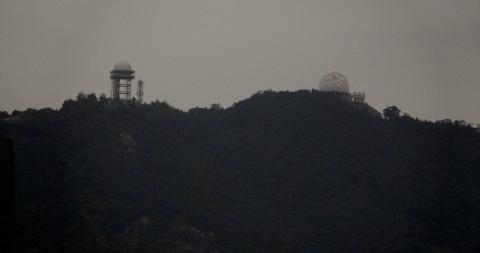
(277, 172)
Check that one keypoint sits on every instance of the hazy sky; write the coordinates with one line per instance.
(421, 55)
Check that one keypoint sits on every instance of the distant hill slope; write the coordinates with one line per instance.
(277, 172)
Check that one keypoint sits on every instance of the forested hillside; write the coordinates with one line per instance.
(277, 172)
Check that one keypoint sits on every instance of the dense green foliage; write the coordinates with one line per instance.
(277, 172)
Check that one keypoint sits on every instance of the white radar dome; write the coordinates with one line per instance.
(334, 82)
(122, 66)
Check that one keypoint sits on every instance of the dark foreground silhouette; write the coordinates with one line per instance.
(277, 172)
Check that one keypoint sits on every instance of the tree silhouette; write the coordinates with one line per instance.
(391, 113)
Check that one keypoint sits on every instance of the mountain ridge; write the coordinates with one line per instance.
(277, 172)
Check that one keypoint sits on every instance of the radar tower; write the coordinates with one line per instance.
(121, 76)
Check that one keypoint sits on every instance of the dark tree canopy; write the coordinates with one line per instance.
(277, 172)
(391, 112)
(4, 114)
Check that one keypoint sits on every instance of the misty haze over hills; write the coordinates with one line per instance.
(278, 172)
(257, 144)
(422, 56)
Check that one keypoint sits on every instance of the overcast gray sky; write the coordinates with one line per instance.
(421, 55)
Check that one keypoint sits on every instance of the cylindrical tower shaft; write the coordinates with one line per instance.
(140, 91)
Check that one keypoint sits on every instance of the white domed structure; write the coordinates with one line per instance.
(334, 82)
(122, 66)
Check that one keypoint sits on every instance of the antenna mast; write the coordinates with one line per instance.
(140, 91)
